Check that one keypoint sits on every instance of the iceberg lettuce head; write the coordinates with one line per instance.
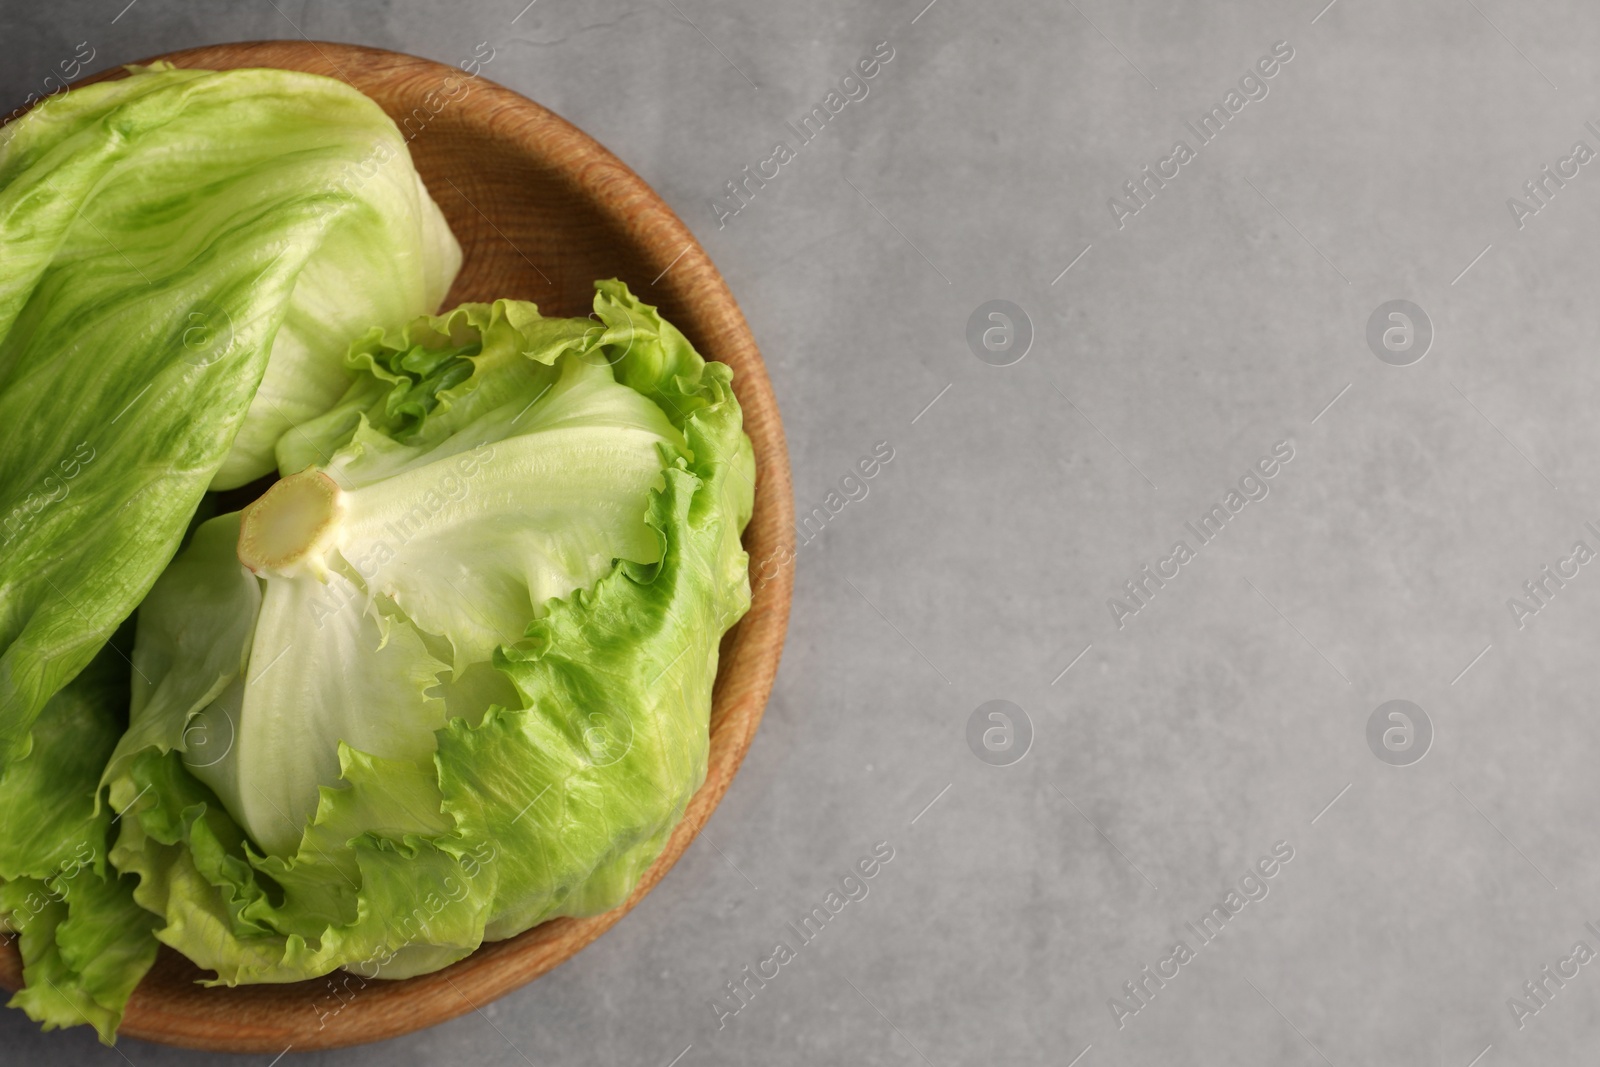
(451, 675)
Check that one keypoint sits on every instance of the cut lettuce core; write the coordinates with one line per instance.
(294, 521)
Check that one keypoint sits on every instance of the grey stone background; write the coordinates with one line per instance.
(1229, 712)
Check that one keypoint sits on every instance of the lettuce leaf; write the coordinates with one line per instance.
(85, 942)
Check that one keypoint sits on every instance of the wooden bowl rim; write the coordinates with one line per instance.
(168, 1007)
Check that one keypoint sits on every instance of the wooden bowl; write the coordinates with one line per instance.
(541, 211)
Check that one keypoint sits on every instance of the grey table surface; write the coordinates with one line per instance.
(1440, 460)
